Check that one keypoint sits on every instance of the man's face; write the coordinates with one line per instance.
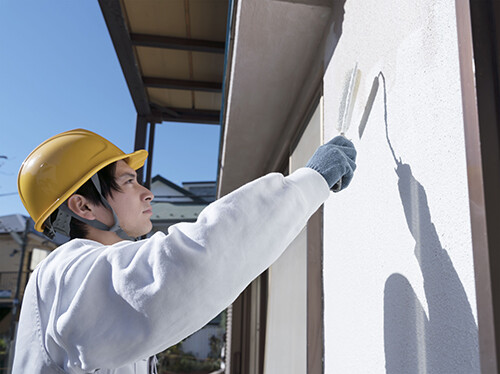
(132, 204)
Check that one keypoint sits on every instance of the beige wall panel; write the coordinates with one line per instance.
(309, 142)
(286, 328)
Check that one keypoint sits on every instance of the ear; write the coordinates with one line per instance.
(81, 206)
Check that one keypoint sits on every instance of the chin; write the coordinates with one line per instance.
(146, 230)
(138, 232)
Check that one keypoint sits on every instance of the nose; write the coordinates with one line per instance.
(148, 195)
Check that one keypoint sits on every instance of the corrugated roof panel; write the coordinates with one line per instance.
(208, 19)
(178, 48)
(157, 17)
(167, 63)
(171, 98)
(208, 67)
(208, 100)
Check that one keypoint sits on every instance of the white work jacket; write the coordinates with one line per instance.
(90, 307)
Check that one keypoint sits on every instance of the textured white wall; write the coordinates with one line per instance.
(398, 271)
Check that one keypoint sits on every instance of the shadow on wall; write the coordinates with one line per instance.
(446, 340)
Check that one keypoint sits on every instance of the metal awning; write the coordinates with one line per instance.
(172, 56)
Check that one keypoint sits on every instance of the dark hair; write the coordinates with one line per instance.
(79, 229)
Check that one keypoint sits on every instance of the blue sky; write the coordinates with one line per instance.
(59, 71)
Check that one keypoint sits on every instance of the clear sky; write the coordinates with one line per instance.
(59, 71)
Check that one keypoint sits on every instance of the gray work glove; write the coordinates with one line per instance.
(336, 162)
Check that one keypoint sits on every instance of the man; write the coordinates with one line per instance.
(105, 303)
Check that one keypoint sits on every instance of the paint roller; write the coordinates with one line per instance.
(345, 112)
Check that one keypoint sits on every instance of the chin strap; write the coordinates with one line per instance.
(62, 222)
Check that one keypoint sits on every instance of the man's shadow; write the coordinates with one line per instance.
(445, 340)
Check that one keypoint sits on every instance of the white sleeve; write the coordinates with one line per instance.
(135, 299)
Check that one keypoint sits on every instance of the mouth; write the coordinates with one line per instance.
(148, 211)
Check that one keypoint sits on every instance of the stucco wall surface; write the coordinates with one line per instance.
(398, 270)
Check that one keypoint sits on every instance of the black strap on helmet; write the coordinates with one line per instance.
(62, 222)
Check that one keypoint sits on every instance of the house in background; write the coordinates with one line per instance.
(203, 190)
(173, 204)
(21, 250)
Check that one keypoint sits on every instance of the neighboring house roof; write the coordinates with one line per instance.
(17, 223)
(12, 223)
(173, 203)
(204, 183)
(179, 191)
(206, 190)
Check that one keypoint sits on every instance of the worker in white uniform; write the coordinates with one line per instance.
(104, 302)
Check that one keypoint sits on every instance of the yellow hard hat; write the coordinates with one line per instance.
(62, 164)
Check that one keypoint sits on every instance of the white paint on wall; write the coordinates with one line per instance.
(398, 270)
